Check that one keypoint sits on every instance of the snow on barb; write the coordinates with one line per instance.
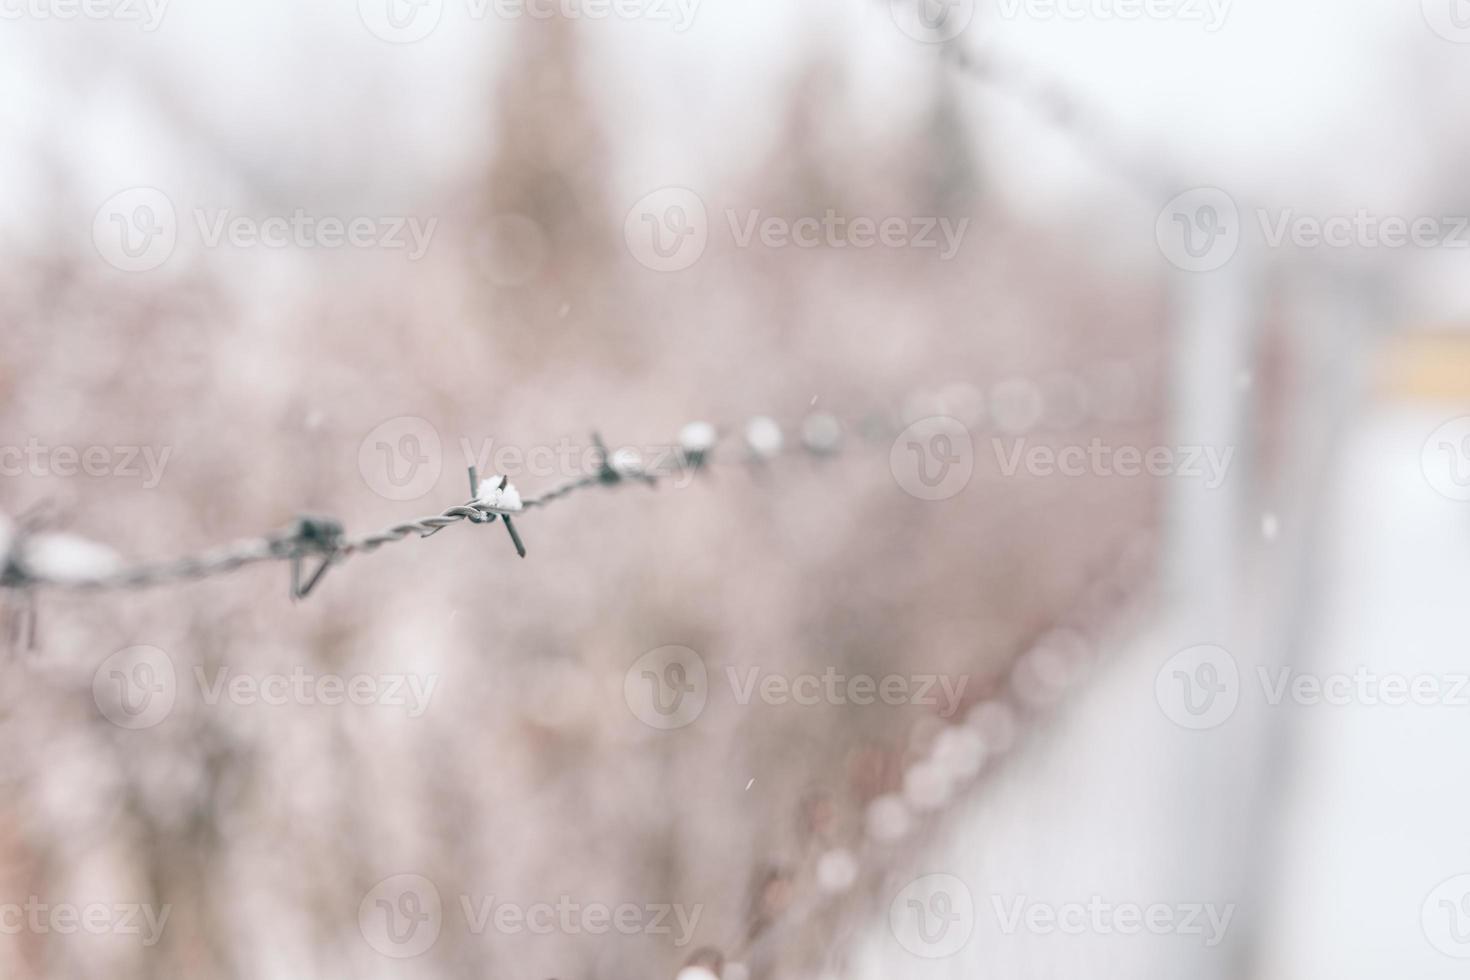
(763, 435)
(697, 437)
(626, 462)
(68, 558)
(501, 500)
(821, 433)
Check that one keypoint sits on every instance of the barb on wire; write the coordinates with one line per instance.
(498, 498)
(313, 534)
(612, 469)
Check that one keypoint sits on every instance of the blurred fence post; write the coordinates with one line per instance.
(1215, 322)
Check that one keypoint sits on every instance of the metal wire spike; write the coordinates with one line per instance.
(515, 536)
(481, 517)
(609, 473)
(21, 609)
(312, 535)
(487, 517)
(606, 473)
(20, 606)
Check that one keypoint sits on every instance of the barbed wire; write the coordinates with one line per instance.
(323, 539)
(33, 558)
(1055, 102)
(1091, 133)
(847, 877)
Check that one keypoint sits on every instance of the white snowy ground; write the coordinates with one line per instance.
(1333, 877)
(1378, 812)
(1114, 806)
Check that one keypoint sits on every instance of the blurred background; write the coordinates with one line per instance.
(1058, 577)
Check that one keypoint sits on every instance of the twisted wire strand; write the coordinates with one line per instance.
(1052, 101)
(564, 490)
(323, 538)
(218, 561)
(288, 545)
(763, 940)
